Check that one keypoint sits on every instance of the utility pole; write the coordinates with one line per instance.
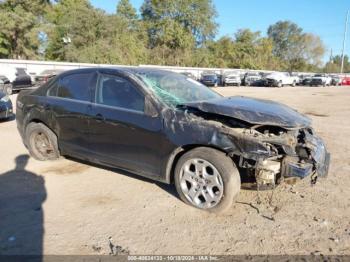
(344, 41)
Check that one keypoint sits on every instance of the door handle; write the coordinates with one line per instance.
(99, 118)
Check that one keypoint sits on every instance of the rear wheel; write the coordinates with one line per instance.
(42, 142)
(294, 84)
(279, 84)
(207, 179)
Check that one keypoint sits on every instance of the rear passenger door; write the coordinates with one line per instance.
(69, 102)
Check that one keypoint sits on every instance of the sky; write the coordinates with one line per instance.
(325, 18)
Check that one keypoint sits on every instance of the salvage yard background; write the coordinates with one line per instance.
(68, 207)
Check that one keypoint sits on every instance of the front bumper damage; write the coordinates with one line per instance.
(309, 159)
(287, 156)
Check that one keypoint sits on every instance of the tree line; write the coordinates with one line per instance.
(172, 32)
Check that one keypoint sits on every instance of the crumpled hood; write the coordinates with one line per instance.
(254, 111)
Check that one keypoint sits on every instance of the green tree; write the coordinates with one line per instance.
(21, 22)
(297, 50)
(94, 36)
(195, 16)
(126, 10)
(334, 64)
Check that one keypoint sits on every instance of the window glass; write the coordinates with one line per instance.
(53, 88)
(119, 92)
(175, 89)
(76, 86)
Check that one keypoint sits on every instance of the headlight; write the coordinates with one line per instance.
(5, 99)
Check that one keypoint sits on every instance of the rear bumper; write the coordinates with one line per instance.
(271, 82)
(208, 83)
(316, 82)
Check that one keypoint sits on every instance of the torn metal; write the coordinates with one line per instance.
(269, 141)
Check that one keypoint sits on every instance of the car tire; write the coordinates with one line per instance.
(279, 84)
(294, 84)
(41, 142)
(8, 89)
(215, 196)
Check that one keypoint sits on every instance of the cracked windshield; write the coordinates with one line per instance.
(175, 89)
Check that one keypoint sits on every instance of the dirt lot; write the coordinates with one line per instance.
(66, 207)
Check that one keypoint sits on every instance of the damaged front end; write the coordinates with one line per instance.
(273, 154)
(271, 142)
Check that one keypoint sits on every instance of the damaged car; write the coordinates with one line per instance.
(172, 129)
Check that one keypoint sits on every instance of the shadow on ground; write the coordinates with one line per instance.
(22, 194)
(170, 189)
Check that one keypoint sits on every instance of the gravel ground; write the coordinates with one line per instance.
(68, 207)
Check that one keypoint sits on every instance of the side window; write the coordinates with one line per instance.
(119, 92)
(76, 86)
(53, 87)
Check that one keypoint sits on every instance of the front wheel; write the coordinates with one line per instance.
(41, 142)
(207, 179)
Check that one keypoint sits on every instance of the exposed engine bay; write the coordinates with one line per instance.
(271, 154)
(282, 155)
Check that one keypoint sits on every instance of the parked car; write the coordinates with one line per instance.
(232, 79)
(279, 79)
(18, 77)
(306, 81)
(162, 125)
(321, 80)
(336, 80)
(210, 79)
(5, 106)
(251, 78)
(346, 81)
(5, 85)
(303, 78)
(46, 75)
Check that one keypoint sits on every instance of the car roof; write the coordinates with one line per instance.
(131, 70)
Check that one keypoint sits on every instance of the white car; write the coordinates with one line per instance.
(279, 79)
(232, 79)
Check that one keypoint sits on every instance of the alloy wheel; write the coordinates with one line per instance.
(201, 183)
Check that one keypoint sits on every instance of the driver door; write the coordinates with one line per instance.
(122, 134)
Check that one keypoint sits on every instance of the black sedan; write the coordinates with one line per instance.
(170, 128)
(5, 106)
